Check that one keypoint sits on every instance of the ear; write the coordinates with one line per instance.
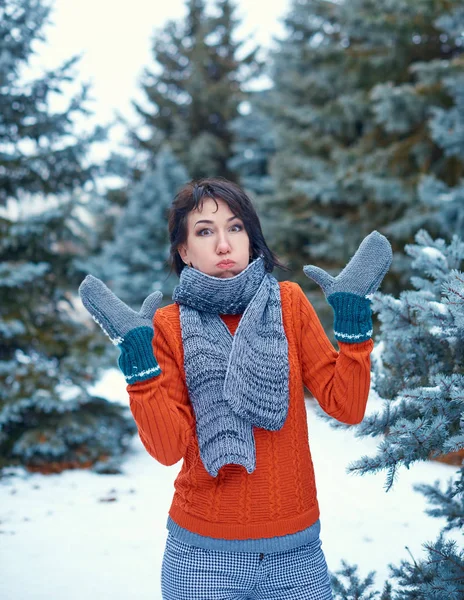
(182, 253)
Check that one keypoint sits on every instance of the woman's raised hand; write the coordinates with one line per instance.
(114, 316)
(363, 274)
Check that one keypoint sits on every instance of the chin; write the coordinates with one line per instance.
(225, 274)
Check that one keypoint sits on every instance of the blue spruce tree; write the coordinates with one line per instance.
(367, 106)
(135, 263)
(444, 201)
(254, 147)
(195, 89)
(49, 421)
(419, 373)
(193, 93)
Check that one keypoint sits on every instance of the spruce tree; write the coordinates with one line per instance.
(419, 374)
(48, 419)
(135, 263)
(366, 105)
(193, 94)
(254, 146)
(195, 90)
(253, 149)
(444, 201)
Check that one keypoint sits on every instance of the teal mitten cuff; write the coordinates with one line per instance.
(352, 317)
(137, 361)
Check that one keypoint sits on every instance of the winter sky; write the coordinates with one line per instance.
(114, 39)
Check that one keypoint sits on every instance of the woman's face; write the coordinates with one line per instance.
(215, 235)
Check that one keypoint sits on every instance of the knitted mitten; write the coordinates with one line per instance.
(131, 331)
(347, 293)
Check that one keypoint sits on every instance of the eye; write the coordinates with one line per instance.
(200, 232)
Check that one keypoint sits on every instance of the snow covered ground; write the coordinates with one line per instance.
(101, 537)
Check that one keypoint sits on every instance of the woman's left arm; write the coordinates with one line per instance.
(340, 381)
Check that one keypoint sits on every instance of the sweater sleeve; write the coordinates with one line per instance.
(161, 406)
(339, 381)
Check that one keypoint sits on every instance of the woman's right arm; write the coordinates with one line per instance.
(161, 406)
(158, 396)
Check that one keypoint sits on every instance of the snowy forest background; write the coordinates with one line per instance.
(361, 128)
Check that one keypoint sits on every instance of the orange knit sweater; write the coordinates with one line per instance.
(279, 497)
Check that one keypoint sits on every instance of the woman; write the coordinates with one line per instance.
(217, 378)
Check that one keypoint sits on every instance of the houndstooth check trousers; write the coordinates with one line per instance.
(192, 573)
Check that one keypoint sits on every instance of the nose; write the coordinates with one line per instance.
(223, 244)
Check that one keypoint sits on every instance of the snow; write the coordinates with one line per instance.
(448, 197)
(433, 253)
(81, 535)
(435, 330)
(439, 307)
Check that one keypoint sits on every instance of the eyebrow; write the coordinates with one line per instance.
(212, 222)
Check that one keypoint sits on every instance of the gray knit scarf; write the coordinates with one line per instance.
(236, 381)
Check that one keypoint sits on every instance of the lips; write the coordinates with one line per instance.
(225, 263)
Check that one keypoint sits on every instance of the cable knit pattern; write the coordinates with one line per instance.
(281, 492)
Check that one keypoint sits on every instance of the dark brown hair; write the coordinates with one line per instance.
(190, 197)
